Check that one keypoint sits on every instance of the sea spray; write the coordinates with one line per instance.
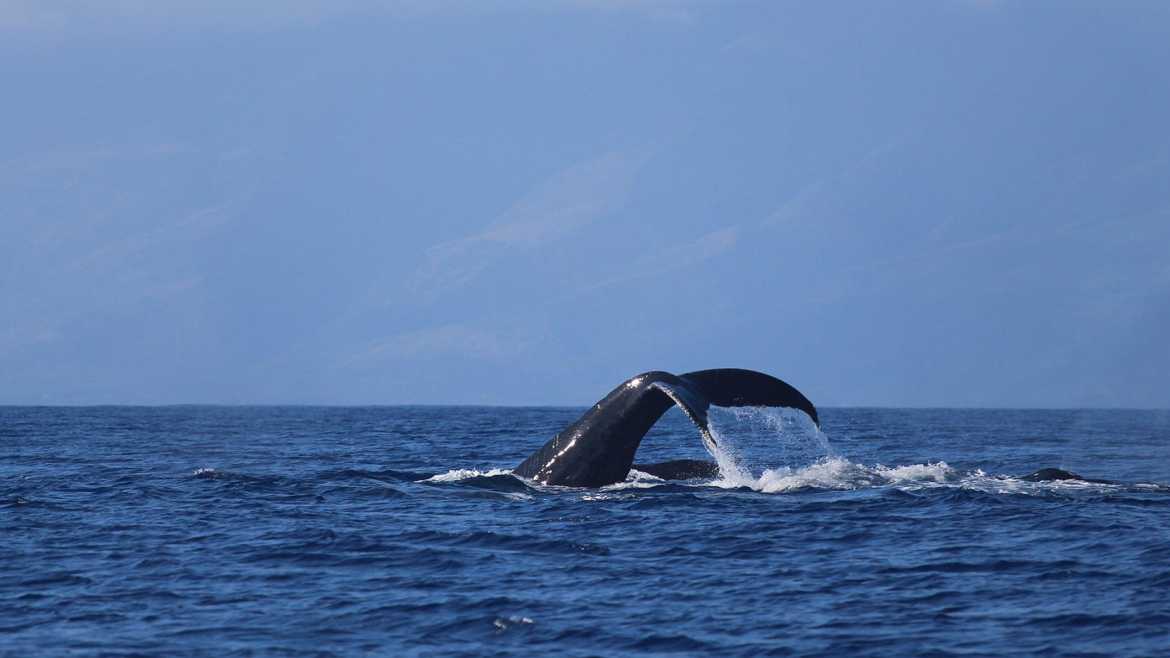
(751, 441)
(459, 474)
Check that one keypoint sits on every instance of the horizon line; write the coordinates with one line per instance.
(534, 406)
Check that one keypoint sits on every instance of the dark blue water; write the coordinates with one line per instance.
(314, 531)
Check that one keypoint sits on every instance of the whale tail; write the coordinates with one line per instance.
(598, 448)
(735, 387)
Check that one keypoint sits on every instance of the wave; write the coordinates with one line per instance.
(834, 473)
(492, 481)
(829, 473)
(748, 438)
(840, 474)
(460, 474)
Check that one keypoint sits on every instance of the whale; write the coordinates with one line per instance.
(599, 447)
(1057, 475)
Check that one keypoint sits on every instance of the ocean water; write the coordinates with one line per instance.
(389, 531)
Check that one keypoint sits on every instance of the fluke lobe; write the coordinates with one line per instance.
(598, 449)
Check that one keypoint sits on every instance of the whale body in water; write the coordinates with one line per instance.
(598, 449)
(1056, 475)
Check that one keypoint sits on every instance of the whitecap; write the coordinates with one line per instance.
(933, 472)
(502, 623)
(457, 474)
(829, 473)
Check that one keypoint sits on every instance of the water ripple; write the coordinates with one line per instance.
(395, 531)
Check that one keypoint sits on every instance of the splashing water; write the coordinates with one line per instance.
(780, 450)
(752, 442)
(458, 474)
(775, 450)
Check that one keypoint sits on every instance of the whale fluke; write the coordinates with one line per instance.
(598, 448)
(733, 387)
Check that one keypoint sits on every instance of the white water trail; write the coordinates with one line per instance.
(797, 457)
(457, 474)
(778, 450)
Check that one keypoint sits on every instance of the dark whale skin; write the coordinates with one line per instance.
(599, 447)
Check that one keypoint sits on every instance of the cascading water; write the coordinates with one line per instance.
(755, 441)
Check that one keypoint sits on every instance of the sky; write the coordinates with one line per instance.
(947, 203)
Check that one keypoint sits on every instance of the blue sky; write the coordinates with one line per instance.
(910, 204)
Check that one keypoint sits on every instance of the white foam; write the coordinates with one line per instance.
(833, 473)
(502, 623)
(635, 480)
(936, 472)
(838, 473)
(457, 474)
(829, 473)
(808, 460)
(1000, 484)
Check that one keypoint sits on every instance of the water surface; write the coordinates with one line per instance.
(397, 531)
